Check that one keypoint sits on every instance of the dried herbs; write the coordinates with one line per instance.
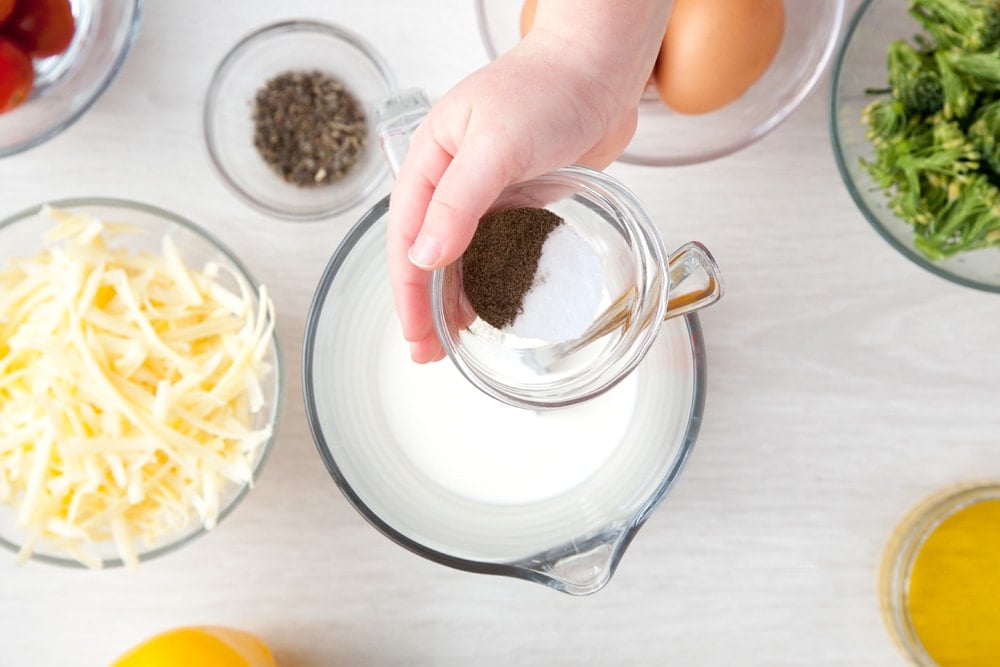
(498, 267)
(308, 127)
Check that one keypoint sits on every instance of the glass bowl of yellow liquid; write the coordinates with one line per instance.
(940, 581)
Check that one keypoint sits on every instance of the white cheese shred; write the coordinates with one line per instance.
(130, 390)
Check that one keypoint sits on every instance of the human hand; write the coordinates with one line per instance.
(561, 96)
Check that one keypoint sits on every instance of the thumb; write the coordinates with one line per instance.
(468, 187)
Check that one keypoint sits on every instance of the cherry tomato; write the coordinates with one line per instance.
(42, 27)
(6, 7)
(16, 75)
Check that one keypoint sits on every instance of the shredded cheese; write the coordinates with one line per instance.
(129, 385)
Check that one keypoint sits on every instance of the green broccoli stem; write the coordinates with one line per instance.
(936, 140)
(914, 80)
(958, 98)
(981, 70)
(963, 24)
(984, 132)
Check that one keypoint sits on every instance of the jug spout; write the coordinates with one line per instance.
(396, 118)
(583, 568)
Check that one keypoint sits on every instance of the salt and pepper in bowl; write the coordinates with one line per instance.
(528, 271)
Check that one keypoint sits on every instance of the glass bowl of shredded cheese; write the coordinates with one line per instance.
(140, 382)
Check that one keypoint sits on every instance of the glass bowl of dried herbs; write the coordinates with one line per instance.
(286, 119)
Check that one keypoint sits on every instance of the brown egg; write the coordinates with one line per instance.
(714, 50)
(528, 15)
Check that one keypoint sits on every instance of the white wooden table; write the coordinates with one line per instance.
(845, 384)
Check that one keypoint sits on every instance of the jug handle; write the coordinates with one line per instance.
(396, 118)
(695, 280)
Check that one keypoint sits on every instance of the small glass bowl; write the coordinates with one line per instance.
(68, 84)
(511, 369)
(666, 138)
(21, 235)
(538, 366)
(901, 554)
(861, 64)
(229, 127)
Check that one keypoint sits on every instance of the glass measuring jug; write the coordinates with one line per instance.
(641, 284)
(442, 469)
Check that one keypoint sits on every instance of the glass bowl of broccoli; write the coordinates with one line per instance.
(915, 126)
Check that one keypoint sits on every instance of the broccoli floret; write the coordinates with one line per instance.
(914, 80)
(950, 152)
(991, 32)
(925, 96)
(919, 165)
(936, 141)
(984, 132)
(969, 25)
(968, 220)
(978, 71)
(959, 98)
(885, 119)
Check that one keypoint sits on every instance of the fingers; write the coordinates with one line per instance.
(427, 349)
(411, 195)
(469, 185)
(433, 213)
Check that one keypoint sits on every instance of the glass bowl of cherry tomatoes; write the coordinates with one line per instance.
(56, 58)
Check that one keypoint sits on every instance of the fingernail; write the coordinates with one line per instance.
(415, 353)
(425, 252)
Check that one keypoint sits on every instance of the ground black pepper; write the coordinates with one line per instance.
(308, 127)
(499, 266)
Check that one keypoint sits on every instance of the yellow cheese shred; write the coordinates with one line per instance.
(129, 387)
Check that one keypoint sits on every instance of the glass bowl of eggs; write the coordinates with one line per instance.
(140, 382)
(742, 67)
(57, 58)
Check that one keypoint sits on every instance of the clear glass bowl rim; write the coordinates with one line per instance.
(279, 394)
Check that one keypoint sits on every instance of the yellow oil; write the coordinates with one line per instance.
(953, 597)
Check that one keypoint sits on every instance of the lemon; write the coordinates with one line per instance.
(201, 646)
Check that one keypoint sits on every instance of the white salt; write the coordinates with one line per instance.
(564, 296)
